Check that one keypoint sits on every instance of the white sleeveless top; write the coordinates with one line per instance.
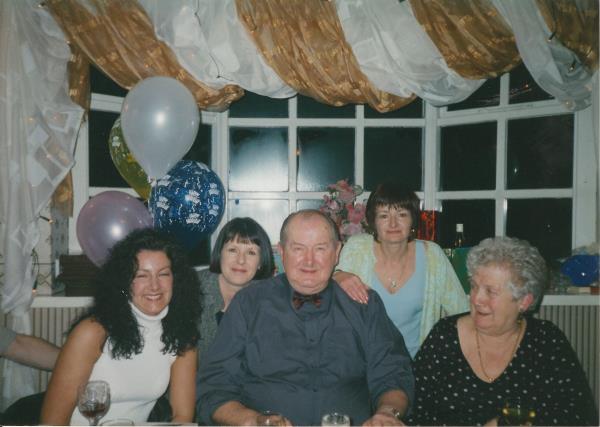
(136, 383)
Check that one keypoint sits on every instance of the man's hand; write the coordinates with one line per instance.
(353, 286)
(392, 406)
(383, 419)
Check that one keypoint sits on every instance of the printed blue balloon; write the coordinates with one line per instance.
(188, 202)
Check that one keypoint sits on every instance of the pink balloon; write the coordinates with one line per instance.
(107, 218)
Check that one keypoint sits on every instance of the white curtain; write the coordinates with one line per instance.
(38, 129)
(396, 54)
(554, 67)
(212, 45)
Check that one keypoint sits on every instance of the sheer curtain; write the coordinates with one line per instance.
(38, 128)
(555, 68)
(212, 44)
(396, 54)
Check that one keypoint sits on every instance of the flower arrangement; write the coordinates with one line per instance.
(341, 206)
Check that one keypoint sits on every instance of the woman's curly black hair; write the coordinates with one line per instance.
(113, 293)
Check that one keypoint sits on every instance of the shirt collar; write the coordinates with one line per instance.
(326, 295)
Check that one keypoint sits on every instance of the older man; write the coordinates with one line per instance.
(297, 345)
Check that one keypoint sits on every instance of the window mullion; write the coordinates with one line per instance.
(431, 158)
(500, 209)
(293, 152)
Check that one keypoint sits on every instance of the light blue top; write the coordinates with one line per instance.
(405, 306)
(444, 294)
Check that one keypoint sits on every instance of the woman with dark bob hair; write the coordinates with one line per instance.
(242, 253)
(482, 367)
(414, 278)
(140, 335)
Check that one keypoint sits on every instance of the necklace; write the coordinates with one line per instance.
(395, 283)
(489, 378)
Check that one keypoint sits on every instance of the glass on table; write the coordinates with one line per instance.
(270, 418)
(118, 422)
(93, 400)
(335, 419)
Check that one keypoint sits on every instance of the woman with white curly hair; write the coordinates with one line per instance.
(478, 367)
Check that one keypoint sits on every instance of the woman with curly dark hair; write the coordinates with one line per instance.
(140, 335)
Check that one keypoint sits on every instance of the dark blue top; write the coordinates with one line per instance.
(303, 364)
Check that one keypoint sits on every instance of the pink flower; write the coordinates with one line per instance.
(356, 213)
(333, 205)
(342, 185)
(346, 196)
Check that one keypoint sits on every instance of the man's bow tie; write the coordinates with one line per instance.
(298, 300)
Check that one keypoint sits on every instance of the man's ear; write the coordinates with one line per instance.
(338, 249)
(280, 249)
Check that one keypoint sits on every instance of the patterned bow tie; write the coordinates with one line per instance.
(298, 300)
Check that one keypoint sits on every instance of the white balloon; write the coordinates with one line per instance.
(160, 121)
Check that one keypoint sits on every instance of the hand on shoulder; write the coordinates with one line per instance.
(353, 286)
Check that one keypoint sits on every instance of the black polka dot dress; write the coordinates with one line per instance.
(544, 375)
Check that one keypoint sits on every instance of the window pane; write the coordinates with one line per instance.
(393, 154)
(253, 105)
(325, 155)
(101, 83)
(468, 157)
(414, 110)
(268, 213)
(477, 217)
(488, 95)
(545, 223)
(311, 108)
(102, 170)
(258, 159)
(309, 204)
(201, 148)
(540, 152)
(523, 87)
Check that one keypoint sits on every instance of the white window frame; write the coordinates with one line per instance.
(585, 161)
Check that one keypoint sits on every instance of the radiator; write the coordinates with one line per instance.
(580, 325)
(53, 325)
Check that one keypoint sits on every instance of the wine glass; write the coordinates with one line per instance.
(93, 400)
(335, 419)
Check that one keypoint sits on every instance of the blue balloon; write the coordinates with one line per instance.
(188, 202)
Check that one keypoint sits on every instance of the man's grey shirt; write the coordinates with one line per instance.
(341, 356)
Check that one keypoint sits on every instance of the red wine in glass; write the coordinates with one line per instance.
(93, 400)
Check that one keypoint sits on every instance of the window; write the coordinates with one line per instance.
(509, 160)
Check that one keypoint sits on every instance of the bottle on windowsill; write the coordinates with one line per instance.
(459, 237)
